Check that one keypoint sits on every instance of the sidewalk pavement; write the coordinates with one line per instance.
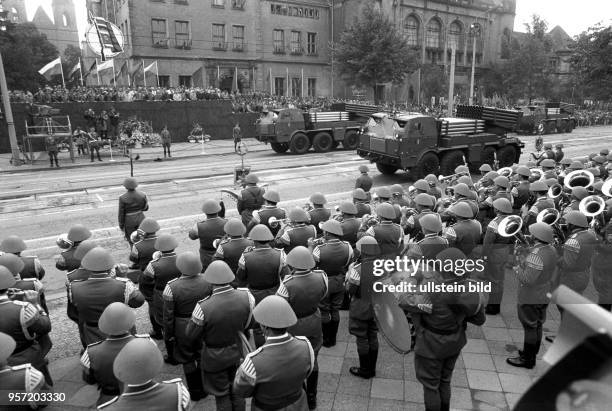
(178, 150)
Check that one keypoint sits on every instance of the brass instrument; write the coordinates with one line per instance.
(555, 191)
(443, 179)
(408, 211)
(136, 236)
(606, 189)
(274, 222)
(551, 216)
(218, 241)
(308, 207)
(579, 178)
(593, 207)
(313, 242)
(511, 226)
(537, 174)
(369, 220)
(63, 242)
(505, 171)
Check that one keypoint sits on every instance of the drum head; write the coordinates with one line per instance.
(392, 322)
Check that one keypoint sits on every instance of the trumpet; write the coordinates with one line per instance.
(308, 207)
(136, 236)
(593, 206)
(443, 179)
(313, 242)
(218, 241)
(408, 211)
(274, 222)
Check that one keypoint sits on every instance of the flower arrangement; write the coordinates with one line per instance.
(134, 132)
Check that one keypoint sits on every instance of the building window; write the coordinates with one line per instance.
(279, 86)
(312, 87)
(411, 31)
(311, 44)
(159, 32)
(218, 3)
(185, 81)
(296, 42)
(455, 36)
(238, 38)
(279, 41)
(434, 34)
(182, 35)
(296, 87)
(218, 36)
(238, 4)
(164, 81)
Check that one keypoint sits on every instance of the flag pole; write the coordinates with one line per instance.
(157, 72)
(81, 73)
(218, 77)
(287, 90)
(271, 84)
(302, 84)
(97, 72)
(144, 74)
(62, 71)
(114, 77)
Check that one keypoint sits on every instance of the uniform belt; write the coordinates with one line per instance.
(304, 315)
(437, 330)
(134, 213)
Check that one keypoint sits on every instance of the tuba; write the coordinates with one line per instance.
(505, 171)
(606, 189)
(593, 206)
(537, 174)
(579, 178)
(511, 226)
(555, 191)
(551, 216)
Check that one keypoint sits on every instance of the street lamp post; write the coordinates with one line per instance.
(475, 31)
(6, 101)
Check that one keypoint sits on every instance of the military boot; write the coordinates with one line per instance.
(526, 358)
(363, 370)
(373, 360)
(311, 389)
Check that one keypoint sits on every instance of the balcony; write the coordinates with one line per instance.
(182, 44)
(239, 46)
(279, 50)
(220, 46)
(160, 43)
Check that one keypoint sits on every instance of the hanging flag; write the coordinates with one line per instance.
(106, 35)
(151, 66)
(235, 80)
(74, 69)
(106, 65)
(52, 69)
(122, 71)
(137, 72)
(92, 69)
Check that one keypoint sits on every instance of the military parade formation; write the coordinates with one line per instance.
(247, 316)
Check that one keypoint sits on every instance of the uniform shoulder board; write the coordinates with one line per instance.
(173, 280)
(142, 336)
(173, 381)
(204, 299)
(96, 343)
(21, 367)
(300, 337)
(248, 249)
(288, 278)
(108, 403)
(277, 249)
(318, 271)
(21, 303)
(122, 279)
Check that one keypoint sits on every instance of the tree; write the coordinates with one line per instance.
(372, 51)
(25, 51)
(591, 63)
(72, 55)
(434, 82)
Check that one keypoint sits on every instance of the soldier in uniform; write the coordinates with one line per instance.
(432, 242)
(349, 222)
(66, 261)
(577, 195)
(548, 154)
(269, 209)
(15, 245)
(92, 296)
(484, 169)
(251, 199)
(262, 269)
(496, 249)
(132, 205)
(304, 289)
(161, 270)
(136, 365)
(208, 231)
(383, 195)
(297, 232)
(466, 233)
(318, 213)
(364, 181)
(389, 235)
(52, 148)
(461, 194)
(78, 274)
(333, 256)
(274, 374)
(361, 314)
(536, 270)
(548, 166)
(15, 265)
(520, 192)
(116, 322)
(424, 205)
(433, 182)
(360, 199)
(180, 298)
(559, 154)
(397, 193)
(233, 245)
(500, 190)
(216, 323)
(542, 202)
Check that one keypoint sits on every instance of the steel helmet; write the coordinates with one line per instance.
(424, 200)
(301, 258)
(503, 205)
(454, 255)
(462, 209)
(251, 179)
(599, 159)
(363, 168)
(551, 182)
(367, 245)
(318, 199)
(149, 226)
(431, 223)
(218, 272)
(396, 189)
(466, 180)
(211, 207)
(431, 179)
(12, 262)
(83, 248)
(348, 208)
(13, 244)
(98, 260)
(166, 242)
(491, 175)
(523, 171)
(274, 312)
(421, 185)
(138, 362)
(7, 279)
(117, 318)
(7, 346)
(359, 194)
(565, 161)
(386, 210)
(538, 187)
(604, 152)
(576, 165)
(485, 168)
(78, 233)
(298, 215)
(502, 181)
(261, 233)
(462, 169)
(234, 227)
(579, 193)
(576, 218)
(462, 190)
(130, 183)
(271, 196)
(595, 171)
(189, 263)
(333, 227)
(542, 232)
(547, 146)
(383, 192)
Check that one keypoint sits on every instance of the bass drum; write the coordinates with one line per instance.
(392, 322)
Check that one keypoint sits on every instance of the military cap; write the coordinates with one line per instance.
(547, 146)
(548, 163)
(462, 209)
(462, 189)
(12, 262)
(348, 208)
(604, 152)
(13, 244)
(565, 161)
(7, 346)
(491, 175)
(318, 199)
(576, 218)
(78, 233)
(301, 258)
(538, 186)
(7, 280)
(271, 196)
(513, 167)
(298, 215)
(116, 319)
(485, 168)
(454, 255)
(166, 242)
(363, 168)
(130, 183)
(421, 185)
(359, 194)
(425, 200)
(466, 180)
(431, 179)
(98, 260)
(579, 193)
(383, 192)
(149, 226)
(261, 233)
(251, 179)
(551, 182)
(211, 207)
(274, 312)
(234, 227)
(576, 165)
(138, 362)
(462, 169)
(218, 272)
(523, 171)
(333, 227)
(503, 205)
(386, 210)
(189, 263)
(542, 232)
(502, 181)
(397, 189)
(431, 223)
(83, 248)
(367, 245)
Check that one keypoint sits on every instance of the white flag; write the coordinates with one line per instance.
(51, 68)
(106, 65)
(74, 70)
(150, 67)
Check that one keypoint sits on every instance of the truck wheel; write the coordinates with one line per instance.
(564, 126)
(551, 127)
(386, 169)
(322, 142)
(335, 144)
(351, 140)
(450, 161)
(280, 147)
(300, 143)
(428, 164)
(506, 156)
